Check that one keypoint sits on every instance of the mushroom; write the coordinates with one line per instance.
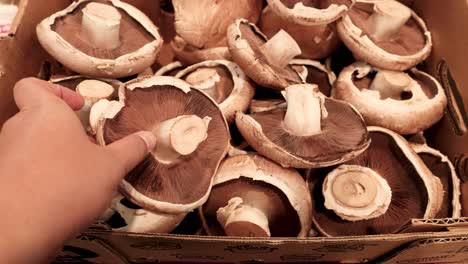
(310, 13)
(257, 106)
(224, 81)
(105, 39)
(314, 131)
(405, 102)
(315, 72)
(317, 41)
(192, 136)
(377, 192)
(92, 90)
(254, 197)
(201, 27)
(386, 34)
(170, 69)
(265, 61)
(124, 216)
(441, 167)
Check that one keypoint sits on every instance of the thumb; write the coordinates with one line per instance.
(132, 149)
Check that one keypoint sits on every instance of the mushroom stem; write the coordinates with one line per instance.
(101, 25)
(243, 220)
(305, 109)
(280, 49)
(356, 193)
(205, 79)
(179, 136)
(390, 84)
(387, 19)
(94, 90)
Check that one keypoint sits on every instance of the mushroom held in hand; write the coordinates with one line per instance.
(254, 197)
(377, 192)
(265, 61)
(442, 168)
(307, 12)
(201, 27)
(314, 131)
(406, 103)
(125, 216)
(223, 81)
(192, 137)
(386, 34)
(316, 42)
(108, 39)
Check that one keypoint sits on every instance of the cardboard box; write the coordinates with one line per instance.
(424, 241)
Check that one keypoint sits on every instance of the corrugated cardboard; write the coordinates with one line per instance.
(424, 241)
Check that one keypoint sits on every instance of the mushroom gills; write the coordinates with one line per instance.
(214, 81)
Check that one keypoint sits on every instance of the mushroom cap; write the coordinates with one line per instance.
(261, 182)
(306, 12)
(442, 168)
(244, 40)
(416, 192)
(316, 42)
(180, 186)
(191, 55)
(138, 220)
(240, 92)
(203, 23)
(408, 116)
(317, 73)
(57, 34)
(71, 82)
(389, 56)
(170, 69)
(343, 137)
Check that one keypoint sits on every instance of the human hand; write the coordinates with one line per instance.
(54, 181)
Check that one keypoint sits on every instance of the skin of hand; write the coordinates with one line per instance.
(54, 181)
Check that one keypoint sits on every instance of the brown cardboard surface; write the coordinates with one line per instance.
(435, 225)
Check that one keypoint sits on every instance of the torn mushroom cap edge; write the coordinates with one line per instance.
(309, 16)
(193, 55)
(242, 92)
(365, 49)
(80, 62)
(125, 187)
(294, 189)
(316, 64)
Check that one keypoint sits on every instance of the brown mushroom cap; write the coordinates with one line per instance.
(139, 41)
(343, 136)
(178, 184)
(230, 88)
(316, 73)
(191, 55)
(170, 69)
(442, 168)
(244, 42)
(310, 12)
(405, 49)
(415, 191)
(315, 41)
(408, 110)
(281, 194)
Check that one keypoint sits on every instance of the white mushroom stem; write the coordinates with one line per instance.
(280, 49)
(356, 193)
(305, 109)
(94, 90)
(241, 220)
(84, 113)
(101, 25)
(179, 136)
(204, 79)
(387, 19)
(390, 84)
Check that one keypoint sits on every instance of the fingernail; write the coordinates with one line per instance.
(148, 138)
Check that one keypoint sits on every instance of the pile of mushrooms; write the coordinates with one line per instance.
(256, 138)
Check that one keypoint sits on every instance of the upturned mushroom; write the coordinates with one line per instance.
(92, 90)
(377, 192)
(265, 61)
(201, 27)
(192, 136)
(386, 34)
(124, 216)
(224, 81)
(105, 39)
(316, 42)
(314, 131)
(306, 12)
(170, 69)
(405, 102)
(442, 168)
(254, 197)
